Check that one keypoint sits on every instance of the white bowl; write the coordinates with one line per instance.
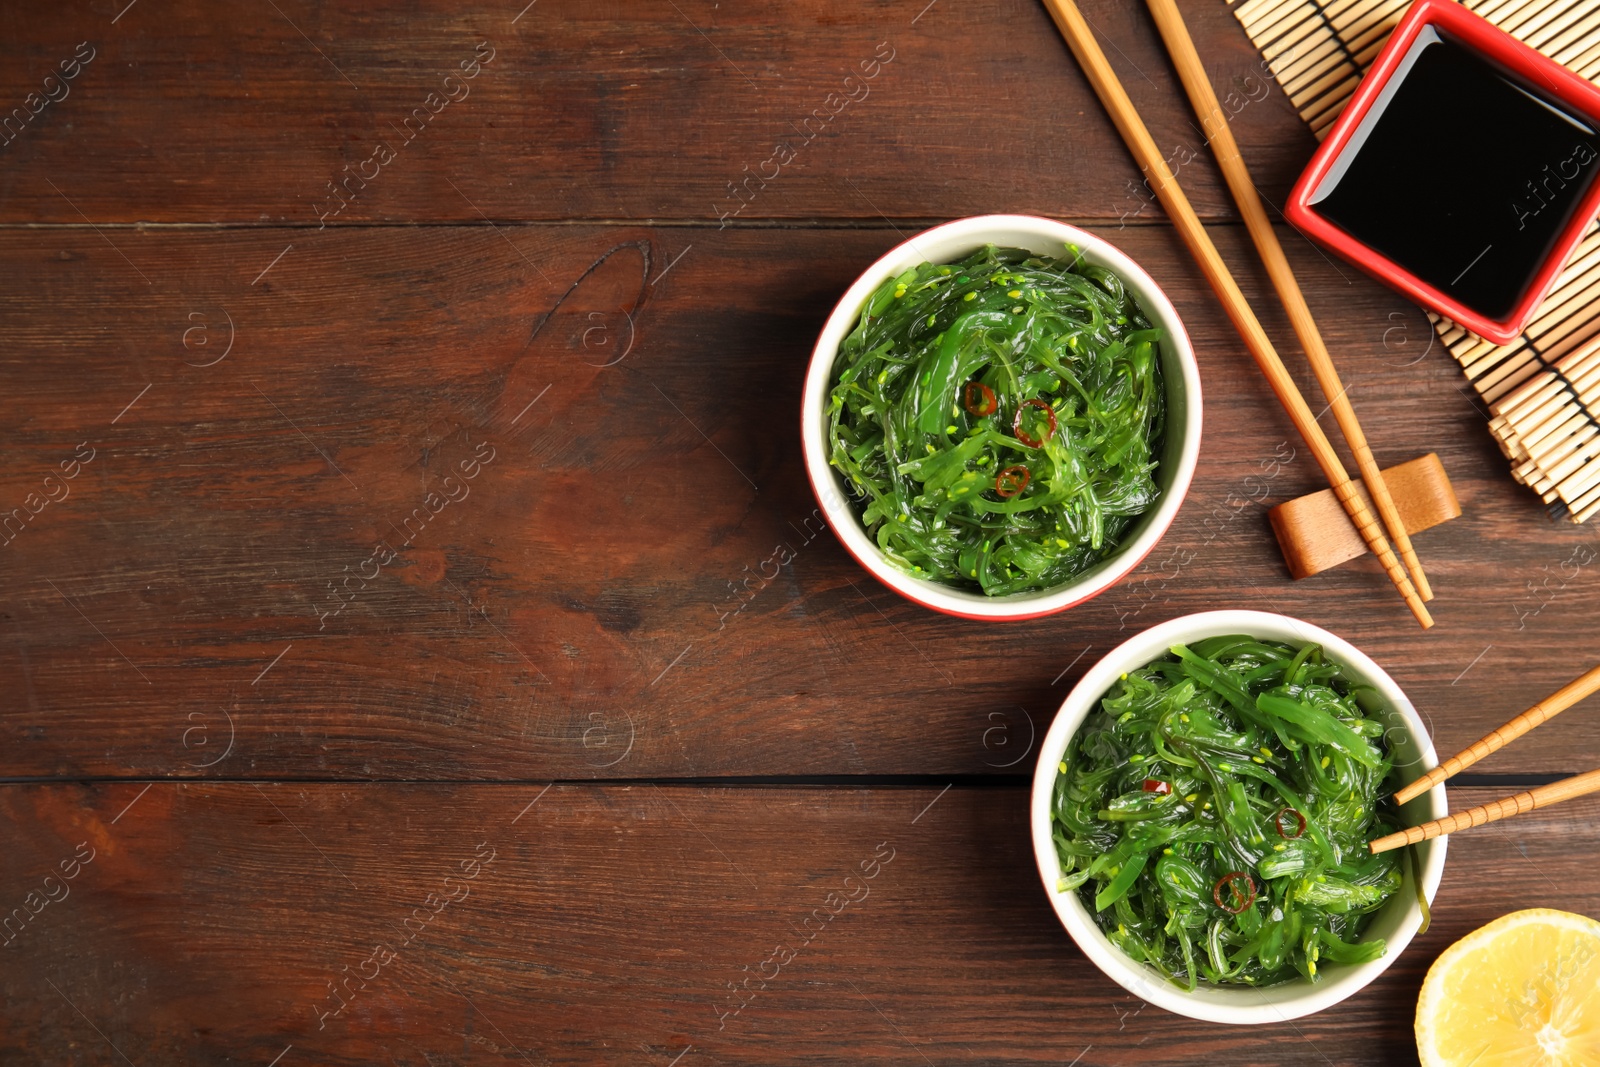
(946, 244)
(1396, 922)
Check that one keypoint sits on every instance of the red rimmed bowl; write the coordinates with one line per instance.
(1397, 922)
(946, 244)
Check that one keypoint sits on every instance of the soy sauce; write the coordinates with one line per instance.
(1466, 176)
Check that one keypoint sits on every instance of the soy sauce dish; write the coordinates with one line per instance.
(1201, 808)
(1001, 417)
(1462, 172)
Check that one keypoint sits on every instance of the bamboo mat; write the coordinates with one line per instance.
(1541, 389)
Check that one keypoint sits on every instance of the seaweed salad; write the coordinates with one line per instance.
(1213, 814)
(998, 419)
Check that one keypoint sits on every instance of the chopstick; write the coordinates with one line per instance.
(1542, 797)
(1180, 47)
(1070, 22)
(1542, 712)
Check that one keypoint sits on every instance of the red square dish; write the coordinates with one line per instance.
(1462, 172)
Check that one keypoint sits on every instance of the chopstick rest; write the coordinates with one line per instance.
(1315, 533)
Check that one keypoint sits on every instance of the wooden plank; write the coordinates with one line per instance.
(585, 111)
(574, 609)
(216, 923)
(494, 502)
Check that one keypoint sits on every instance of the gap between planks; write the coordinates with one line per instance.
(842, 222)
(754, 781)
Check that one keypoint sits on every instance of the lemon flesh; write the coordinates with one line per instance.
(1523, 991)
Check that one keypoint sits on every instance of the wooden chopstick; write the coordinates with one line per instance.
(1180, 46)
(1542, 797)
(1069, 20)
(1542, 712)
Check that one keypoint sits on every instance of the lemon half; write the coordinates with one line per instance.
(1523, 991)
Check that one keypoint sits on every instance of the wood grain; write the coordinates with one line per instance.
(1579, 689)
(574, 600)
(611, 922)
(639, 111)
(1544, 796)
(350, 541)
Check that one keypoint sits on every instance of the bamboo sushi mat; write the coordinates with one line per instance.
(1543, 390)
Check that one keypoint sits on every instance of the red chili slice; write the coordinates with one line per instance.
(1023, 435)
(1300, 821)
(1239, 897)
(982, 402)
(1011, 481)
(1156, 785)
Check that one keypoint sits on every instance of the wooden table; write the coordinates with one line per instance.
(427, 381)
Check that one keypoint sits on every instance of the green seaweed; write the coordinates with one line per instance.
(912, 432)
(1203, 764)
